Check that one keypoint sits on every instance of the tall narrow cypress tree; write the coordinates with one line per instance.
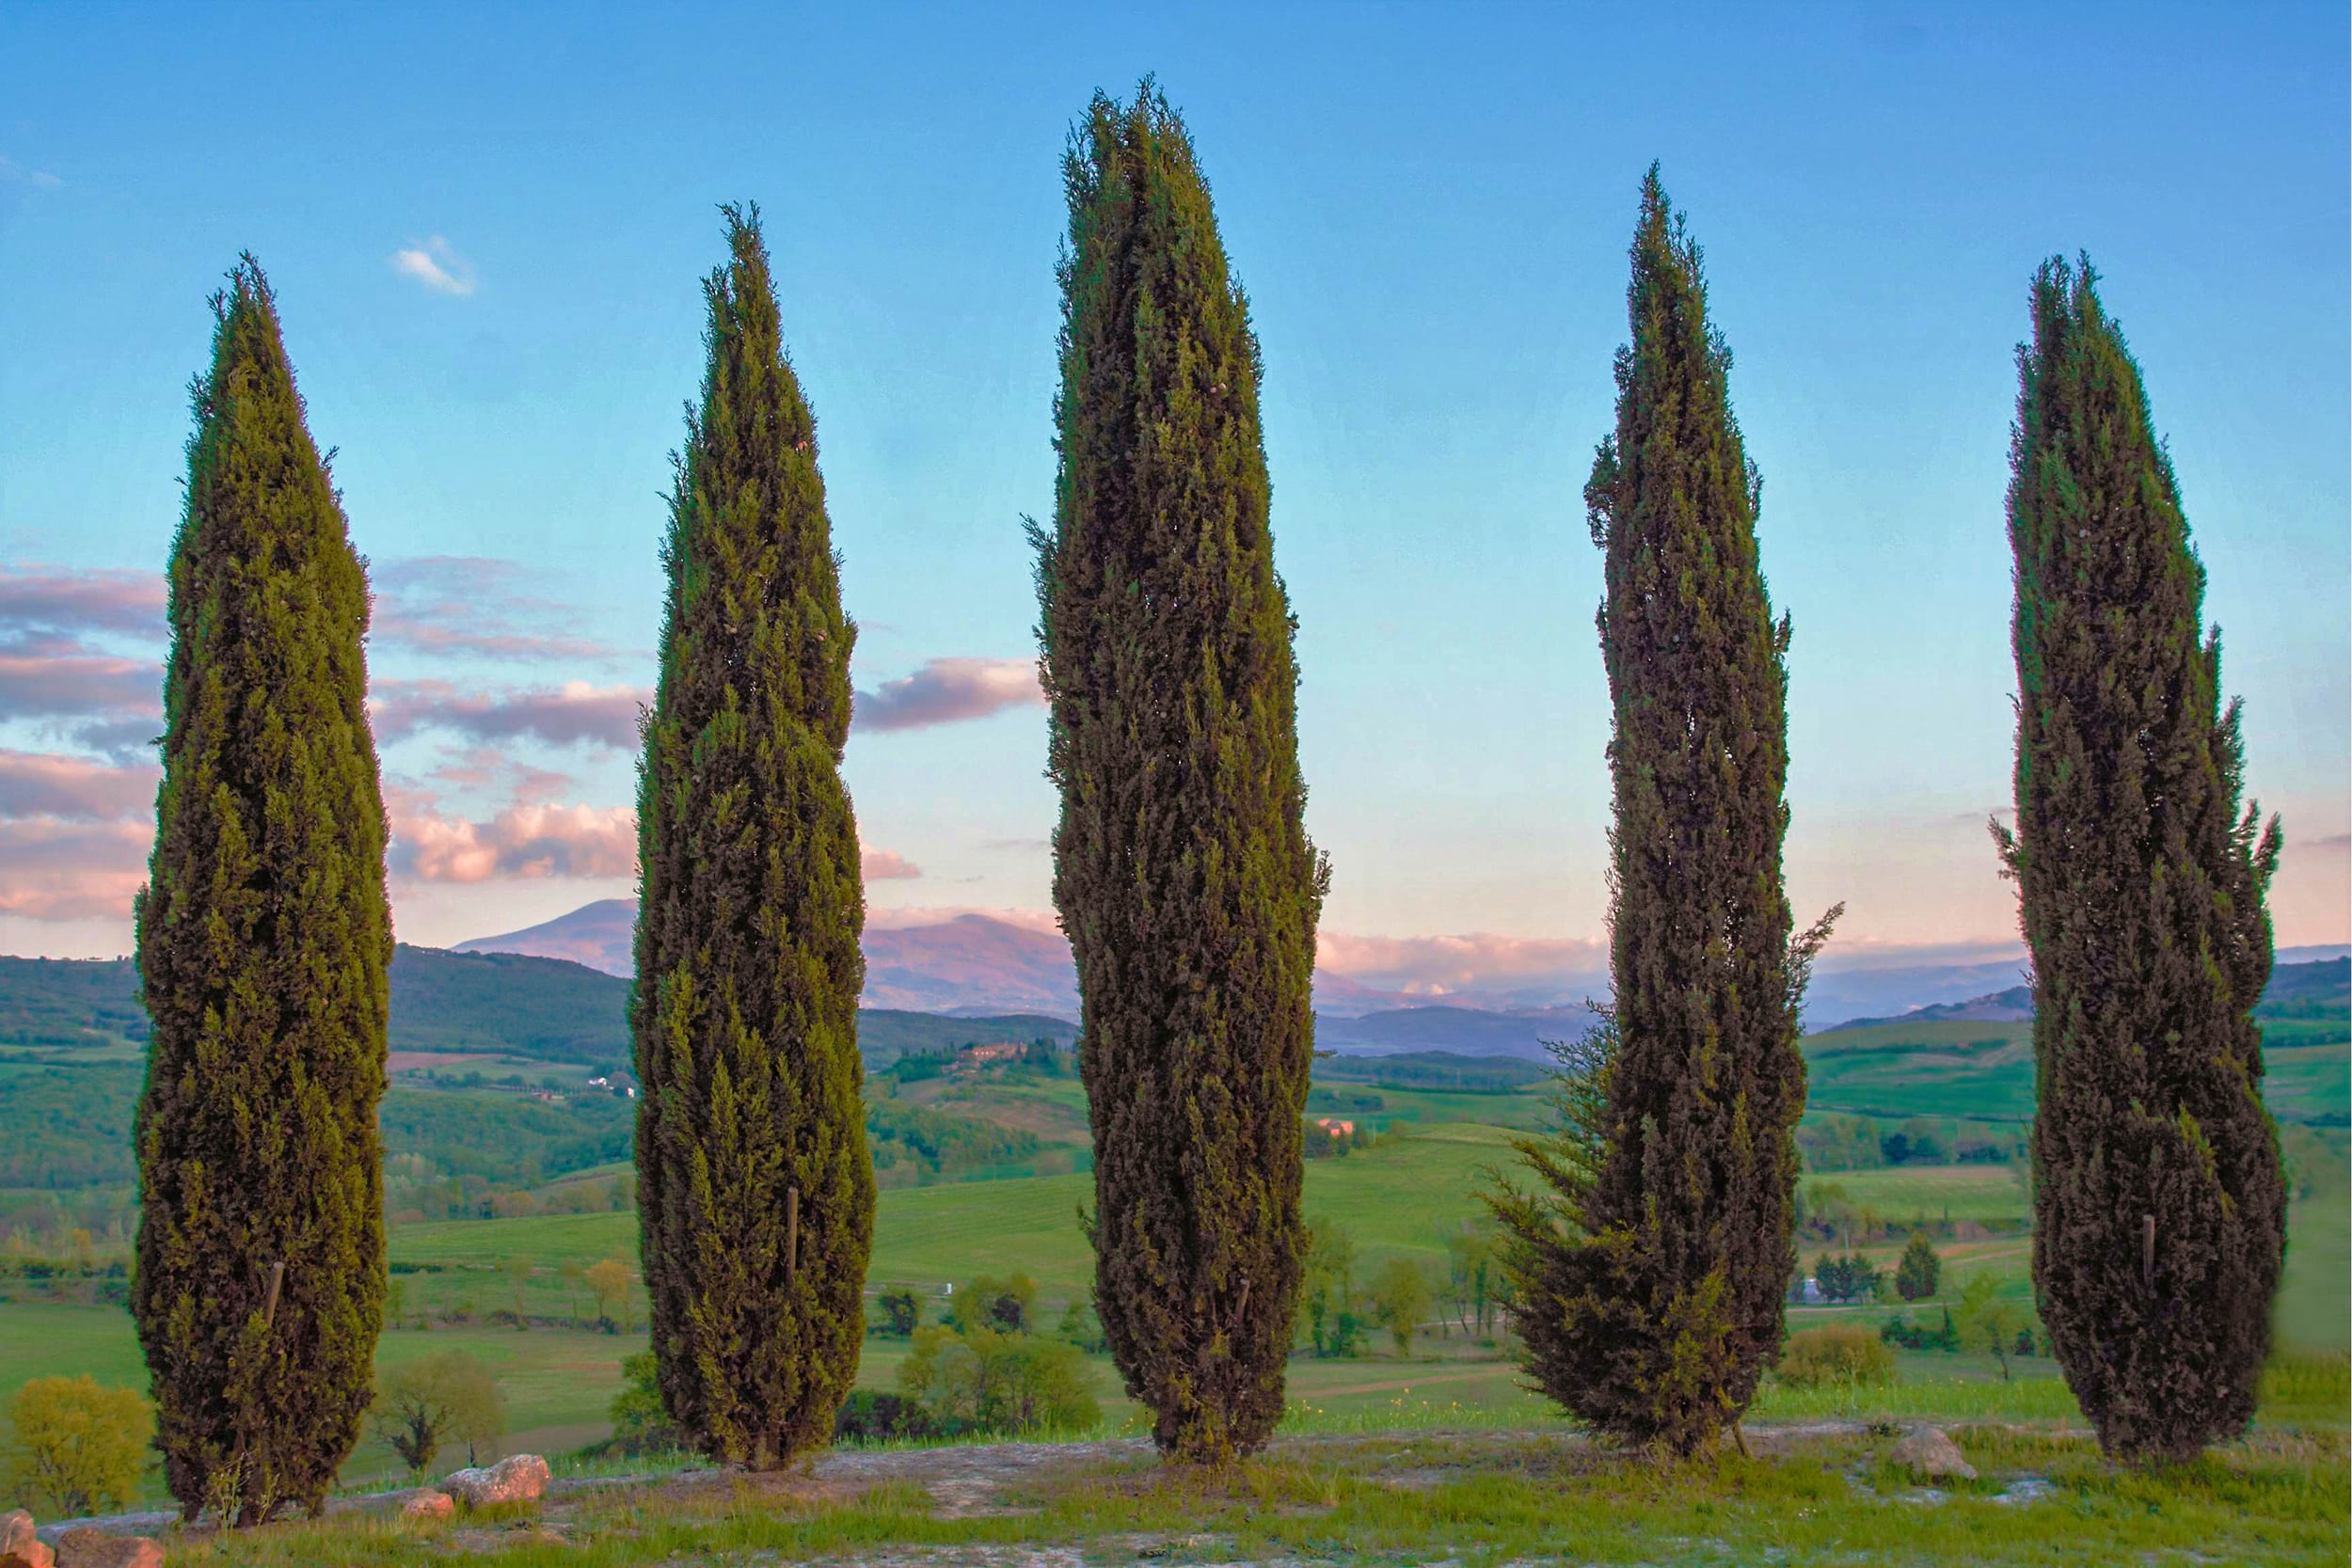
(755, 1193)
(1657, 1323)
(264, 934)
(1182, 870)
(2159, 1212)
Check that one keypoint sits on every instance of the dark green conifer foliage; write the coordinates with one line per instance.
(751, 906)
(263, 935)
(2160, 1211)
(1655, 1322)
(1182, 870)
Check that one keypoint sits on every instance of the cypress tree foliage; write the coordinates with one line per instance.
(1182, 871)
(1653, 1317)
(754, 1191)
(263, 935)
(2160, 1211)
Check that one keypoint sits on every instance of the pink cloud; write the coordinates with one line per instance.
(75, 599)
(41, 784)
(1440, 965)
(58, 677)
(575, 711)
(526, 839)
(60, 870)
(948, 690)
(886, 865)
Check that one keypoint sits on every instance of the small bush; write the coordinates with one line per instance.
(867, 1417)
(1837, 1353)
(902, 1311)
(1921, 1271)
(76, 1447)
(986, 1381)
(639, 1425)
(443, 1398)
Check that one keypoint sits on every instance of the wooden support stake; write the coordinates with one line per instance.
(2148, 1250)
(269, 1303)
(792, 1234)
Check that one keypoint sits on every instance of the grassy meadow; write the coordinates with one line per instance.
(513, 1292)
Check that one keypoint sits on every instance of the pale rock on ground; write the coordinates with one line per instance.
(19, 1546)
(1930, 1455)
(519, 1477)
(94, 1548)
(428, 1505)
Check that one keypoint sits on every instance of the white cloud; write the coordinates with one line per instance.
(435, 265)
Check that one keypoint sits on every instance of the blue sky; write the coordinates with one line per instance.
(1430, 207)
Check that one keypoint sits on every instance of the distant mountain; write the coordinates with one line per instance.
(974, 964)
(601, 935)
(1464, 1031)
(970, 964)
(2315, 990)
(2001, 1006)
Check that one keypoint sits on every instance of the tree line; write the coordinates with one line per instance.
(1651, 1252)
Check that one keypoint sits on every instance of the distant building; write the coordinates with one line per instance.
(995, 1050)
(1336, 1128)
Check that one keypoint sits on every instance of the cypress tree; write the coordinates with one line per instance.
(1656, 1322)
(755, 1193)
(1182, 871)
(263, 935)
(2160, 1211)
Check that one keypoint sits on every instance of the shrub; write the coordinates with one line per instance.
(1919, 1273)
(902, 1309)
(1079, 1326)
(1837, 1353)
(639, 1425)
(1400, 1299)
(1910, 1336)
(867, 1417)
(450, 1396)
(1005, 1305)
(988, 1381)
(75, 1445)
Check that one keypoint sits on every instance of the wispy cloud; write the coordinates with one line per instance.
(71, 601)
(437, 266)
(573, 712)
(447, 604)
(68, 870)
(14, 173)
(948, 690)
(60, 677)
(41, 784)
(481, 768)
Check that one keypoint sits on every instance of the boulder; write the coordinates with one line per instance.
(428, 1505)
(19, 1546)
(85, 1548)
(516, 1479)
(1930, 1456)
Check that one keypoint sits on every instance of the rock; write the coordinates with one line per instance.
(428, 1505)
(516, 1479)
(94, 1548)
(19, 1546)
(1930, 1455)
